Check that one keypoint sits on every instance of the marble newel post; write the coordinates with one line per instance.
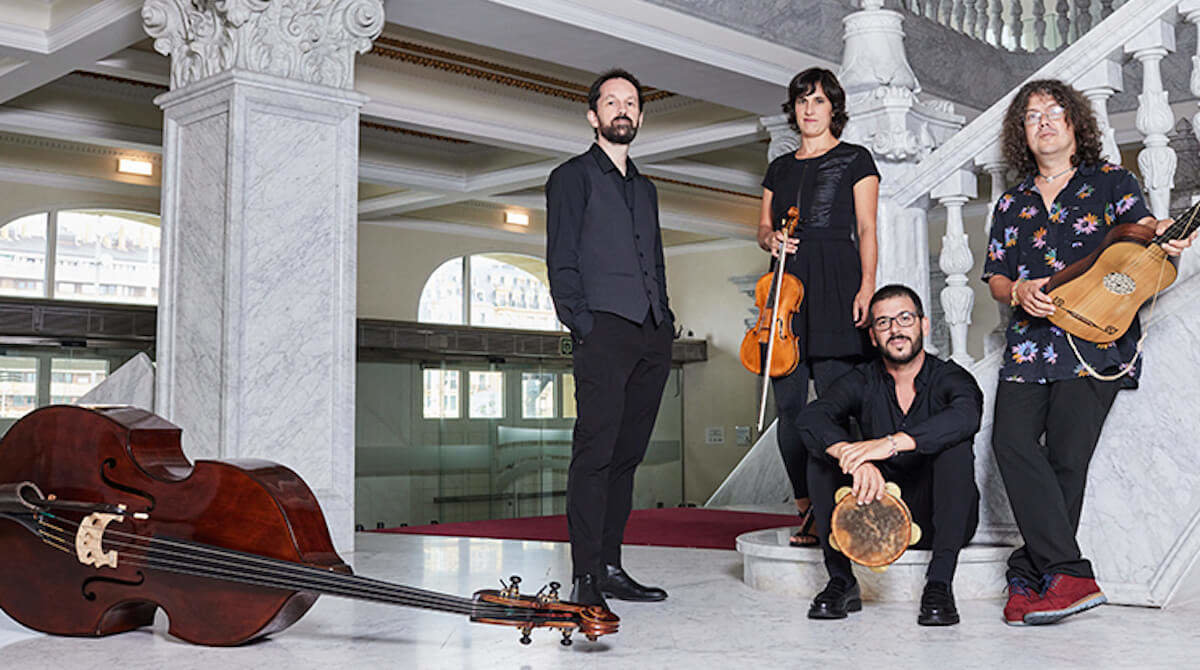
(1155, 119)
(888, 118)
(256, 324)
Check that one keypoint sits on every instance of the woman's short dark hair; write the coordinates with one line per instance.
(804, 84)
(1078, 112)
(896, 291)
(615, 73)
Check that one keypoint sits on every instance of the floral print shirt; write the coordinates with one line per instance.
(1029, 242)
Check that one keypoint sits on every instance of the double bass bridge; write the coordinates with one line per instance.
(89, 548)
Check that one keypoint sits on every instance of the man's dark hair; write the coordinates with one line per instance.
(895, 291)
(615, 73)
(1079, 113)
(804, 84)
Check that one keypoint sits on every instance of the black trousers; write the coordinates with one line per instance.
(621, 368)
(1046, 484)
(791, 395)
(939, 490)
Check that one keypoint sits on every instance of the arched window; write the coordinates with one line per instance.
(506, 291)
(97, 255)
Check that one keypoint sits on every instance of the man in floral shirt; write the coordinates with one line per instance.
(1068, 200)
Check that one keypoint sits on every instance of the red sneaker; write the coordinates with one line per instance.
(1064, 595)
(1021, 598)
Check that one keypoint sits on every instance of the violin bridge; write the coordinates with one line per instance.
(88, 541)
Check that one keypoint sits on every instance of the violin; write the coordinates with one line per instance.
(777, 295)
(103, 520)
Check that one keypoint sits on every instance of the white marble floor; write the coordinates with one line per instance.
(711, 620)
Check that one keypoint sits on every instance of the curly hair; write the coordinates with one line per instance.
(804, 84)
(1079, 113)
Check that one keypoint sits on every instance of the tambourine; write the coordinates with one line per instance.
(873, 535)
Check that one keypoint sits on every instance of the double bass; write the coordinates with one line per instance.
(777, 295)
(103, 520)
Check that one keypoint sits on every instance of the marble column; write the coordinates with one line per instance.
(888, 117)
(992, 162)
(256, 323)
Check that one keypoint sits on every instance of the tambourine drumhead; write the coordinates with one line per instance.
(873, 535)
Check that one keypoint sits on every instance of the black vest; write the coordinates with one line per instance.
(619, 249)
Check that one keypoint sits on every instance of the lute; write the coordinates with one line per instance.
(1097, 297)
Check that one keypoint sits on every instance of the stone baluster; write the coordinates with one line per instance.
(1017, 25)
(1083, 17)
(1106, 8)
(783, 138)
(963, 19)
(944, 13)
(1155, 119)
(992, 162)
(1062, 22)
(995, 24)
(1099, 84)
(1040, 36)
(955, 260)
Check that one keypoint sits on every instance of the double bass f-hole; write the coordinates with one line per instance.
(111, 464)
(88, 594)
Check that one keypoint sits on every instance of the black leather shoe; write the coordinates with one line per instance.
(586, 591)
(937, 605)
(838, 598)
(616, 583)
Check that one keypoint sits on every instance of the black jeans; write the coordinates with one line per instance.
(939, 490)
(791, 395)
(1045, 484)
(621, 368)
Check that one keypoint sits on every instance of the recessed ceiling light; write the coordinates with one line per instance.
(516, 218)
(133, 166)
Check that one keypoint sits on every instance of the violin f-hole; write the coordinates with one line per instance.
(111, 463)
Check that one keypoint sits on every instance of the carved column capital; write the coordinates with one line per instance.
(314, 41)
(783, 138)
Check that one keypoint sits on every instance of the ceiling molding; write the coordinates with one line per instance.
(80, 129)
(88, 21)
(77, 183)
(452, 228)
(707, 246)
(704, 175)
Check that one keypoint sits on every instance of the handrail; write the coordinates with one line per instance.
(977, 137)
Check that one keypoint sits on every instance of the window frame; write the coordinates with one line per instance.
(50, 278)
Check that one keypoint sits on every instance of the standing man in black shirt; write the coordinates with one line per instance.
(919, 416)
(608, 281)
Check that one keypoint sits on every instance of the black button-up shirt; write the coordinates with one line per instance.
(603, 245)
(946, 410)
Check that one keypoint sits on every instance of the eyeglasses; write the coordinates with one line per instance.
(1034, 116)
(903, 319)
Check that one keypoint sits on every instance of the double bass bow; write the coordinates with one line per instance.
(103, 520)
(777, 295)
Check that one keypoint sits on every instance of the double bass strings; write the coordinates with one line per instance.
(228, 565)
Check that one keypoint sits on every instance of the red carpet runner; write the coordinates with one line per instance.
(668, 527)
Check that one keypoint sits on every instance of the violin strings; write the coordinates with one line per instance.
(276, 573)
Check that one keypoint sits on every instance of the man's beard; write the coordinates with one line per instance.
(619, 134)
(917, 345)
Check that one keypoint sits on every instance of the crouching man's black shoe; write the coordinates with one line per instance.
(838, 598)
(586, 591)
(616, 583)
(937, 605)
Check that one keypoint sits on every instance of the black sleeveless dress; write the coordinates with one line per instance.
(826, 260)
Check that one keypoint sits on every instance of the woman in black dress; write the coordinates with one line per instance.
(833, 252)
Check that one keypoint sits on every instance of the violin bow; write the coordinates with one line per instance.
(762, 405)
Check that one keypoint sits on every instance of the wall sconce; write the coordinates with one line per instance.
(516, 218)
(133, 166)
